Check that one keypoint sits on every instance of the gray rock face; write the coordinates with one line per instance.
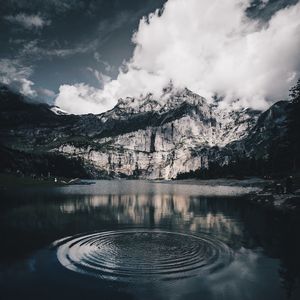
(175, 137)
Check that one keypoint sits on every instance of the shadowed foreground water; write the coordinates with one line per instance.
(145, 240)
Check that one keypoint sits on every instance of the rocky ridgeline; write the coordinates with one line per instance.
(171, 135)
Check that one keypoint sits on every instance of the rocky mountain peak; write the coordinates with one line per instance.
(171, 98)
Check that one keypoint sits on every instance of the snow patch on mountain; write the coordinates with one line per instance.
(58, 111)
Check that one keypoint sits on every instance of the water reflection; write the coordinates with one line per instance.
(186, 212)
(264, 245)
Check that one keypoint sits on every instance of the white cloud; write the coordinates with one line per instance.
(46, 95)
(82, 99)
(33, 49)
(102, 78)
(28, 21)
(26, 88)
(209, 46)
(12, 72)
(98, 59)
(47, 92)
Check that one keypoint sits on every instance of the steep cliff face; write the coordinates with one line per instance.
(178, 136)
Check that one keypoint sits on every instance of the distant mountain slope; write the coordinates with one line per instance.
(179, 133)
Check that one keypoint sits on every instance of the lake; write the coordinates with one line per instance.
(145, 240)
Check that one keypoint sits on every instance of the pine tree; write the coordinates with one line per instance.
(294, 125)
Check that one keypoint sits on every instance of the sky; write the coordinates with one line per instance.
(83, 55)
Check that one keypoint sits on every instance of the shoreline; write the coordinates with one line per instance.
(8, 181)
(265, 197)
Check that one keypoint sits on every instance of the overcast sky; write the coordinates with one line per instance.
(85, 54)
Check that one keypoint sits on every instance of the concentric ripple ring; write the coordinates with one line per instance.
(143, 254)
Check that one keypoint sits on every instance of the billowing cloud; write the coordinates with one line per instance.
(28, 21)
(209, 46)
(81, 99)
(26, 88)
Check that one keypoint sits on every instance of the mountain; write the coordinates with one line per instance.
(176, 135)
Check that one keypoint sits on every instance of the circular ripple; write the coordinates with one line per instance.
(139, 254)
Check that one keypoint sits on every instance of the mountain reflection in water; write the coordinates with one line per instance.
(186, 213)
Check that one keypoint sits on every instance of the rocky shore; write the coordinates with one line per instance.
(283, 201)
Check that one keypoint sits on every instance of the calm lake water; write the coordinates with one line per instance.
(145, 240)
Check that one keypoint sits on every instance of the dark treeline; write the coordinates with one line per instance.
(241, 168)
(40, 165)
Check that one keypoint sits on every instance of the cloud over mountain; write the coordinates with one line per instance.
(211, 47)
(81, 99)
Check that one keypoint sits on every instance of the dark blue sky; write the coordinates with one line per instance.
(46, 43)
(76, 35)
